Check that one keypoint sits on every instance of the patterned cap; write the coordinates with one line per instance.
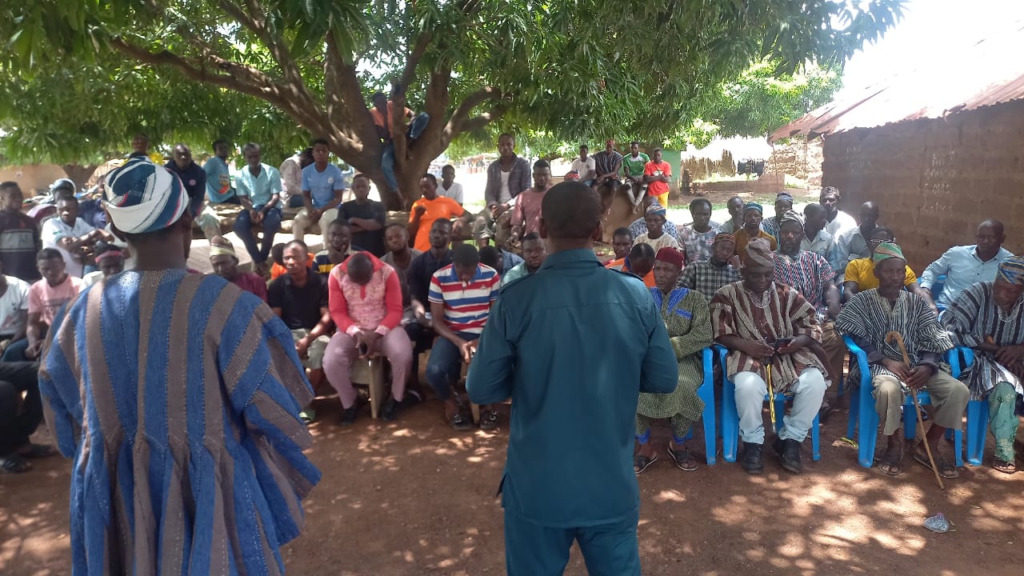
(759, 253)
(656, 209)
(784, 196)
(791, 216)
(1012, 270)
(753, 206)
(887, 250)
(723, 237)
(672, 256)
(221, 246)
(142, 197)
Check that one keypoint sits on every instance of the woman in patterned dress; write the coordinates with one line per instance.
(688, 321)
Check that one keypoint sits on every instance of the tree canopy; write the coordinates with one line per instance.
(564, 68)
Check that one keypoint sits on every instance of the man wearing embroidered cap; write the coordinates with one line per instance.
(989, 317)
(180, 361)
(686, 316)
(752, 215)
(225, 264)
(867, 319)
(759, 320)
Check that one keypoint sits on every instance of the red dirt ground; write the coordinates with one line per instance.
(416, 498)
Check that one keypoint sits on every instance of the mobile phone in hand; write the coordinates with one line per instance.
(782, 343)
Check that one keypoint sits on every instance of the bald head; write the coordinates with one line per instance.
(990, 238)
(360, 268)
(570, 211)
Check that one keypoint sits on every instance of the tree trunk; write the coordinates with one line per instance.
(79, 174)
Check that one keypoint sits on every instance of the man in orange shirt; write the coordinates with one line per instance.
(640, 262)
(381, 114)
(657, 173)
(432, 207)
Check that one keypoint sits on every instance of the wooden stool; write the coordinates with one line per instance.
(370, 372)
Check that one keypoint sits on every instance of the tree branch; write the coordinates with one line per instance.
(409, 73)
(461, 114)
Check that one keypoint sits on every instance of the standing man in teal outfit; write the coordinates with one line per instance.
(573, 345)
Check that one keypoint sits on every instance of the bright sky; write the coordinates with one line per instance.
(929, 32)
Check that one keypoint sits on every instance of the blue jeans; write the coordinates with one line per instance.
(271, 224)
(387, 159)
(296, 202)
(445, 364)
(15, 351)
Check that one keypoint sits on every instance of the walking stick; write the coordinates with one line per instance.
(889, 337)
(771, 390)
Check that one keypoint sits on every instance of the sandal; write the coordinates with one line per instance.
(683, 458)
(890, 465)
(37, 451)
(460, 422)
(488, 420)
(307, 416)
(1004, 466)
(641, 463)
(14, 464)
(946, 469)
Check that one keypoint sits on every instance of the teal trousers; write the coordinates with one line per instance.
(534, 550)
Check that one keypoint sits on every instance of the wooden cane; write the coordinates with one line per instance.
(889, 337)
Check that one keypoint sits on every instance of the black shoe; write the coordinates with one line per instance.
(349, 415)
(390, 410)
(461, 422)
(753, 458)
(789, 454)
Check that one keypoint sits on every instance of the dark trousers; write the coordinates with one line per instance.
(18, 419)
(271, 225)
(535, 550)
(422, 339)
(445, 364)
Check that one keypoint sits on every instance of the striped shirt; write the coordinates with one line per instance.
(808, 273)
(178, 395)
(466, 305)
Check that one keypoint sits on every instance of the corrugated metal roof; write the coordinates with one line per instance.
(986, 73)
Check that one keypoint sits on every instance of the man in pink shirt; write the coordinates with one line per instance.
(225, 264)
(526, 214)
(366, 306)
(47, 296)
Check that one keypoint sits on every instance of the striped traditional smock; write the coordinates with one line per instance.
(178, 396)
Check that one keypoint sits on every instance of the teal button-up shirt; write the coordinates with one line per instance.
(573, 345)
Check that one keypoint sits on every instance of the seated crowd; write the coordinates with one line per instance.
(776, 294)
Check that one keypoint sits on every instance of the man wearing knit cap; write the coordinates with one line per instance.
(710, 276)
(178, 396)
(760, 322)
(752, 215)
(810, 274)
(656, 236)
(987, 317)
(867, 319)
(225, 264)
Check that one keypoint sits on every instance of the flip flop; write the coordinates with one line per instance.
(641, 463)
(1004, 466)
(890, 466)
(683, 459)
(946, 470)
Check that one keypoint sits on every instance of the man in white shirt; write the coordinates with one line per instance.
(73, 237)
(448, 187)
(838, 222)
(964, 266)
(13, 309)
(854, 244)
(291, 178)
(584, 166)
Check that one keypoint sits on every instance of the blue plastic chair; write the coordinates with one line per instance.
(706, 392)
(731, 418)
(977, 410)
(864, 417)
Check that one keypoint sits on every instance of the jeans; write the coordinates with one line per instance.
(445, 364)
(271, 224)
(295, 201)
(18, 419)
(15, 351)
(387, 159)
(808, 392)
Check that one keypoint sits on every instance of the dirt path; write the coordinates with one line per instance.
(415, 498)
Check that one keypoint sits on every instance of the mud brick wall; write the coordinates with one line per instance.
(935, 180)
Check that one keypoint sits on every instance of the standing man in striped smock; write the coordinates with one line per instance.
(461, 295)
(178, 395)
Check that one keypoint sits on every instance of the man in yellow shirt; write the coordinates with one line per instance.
(860, 273)
(432, 207)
